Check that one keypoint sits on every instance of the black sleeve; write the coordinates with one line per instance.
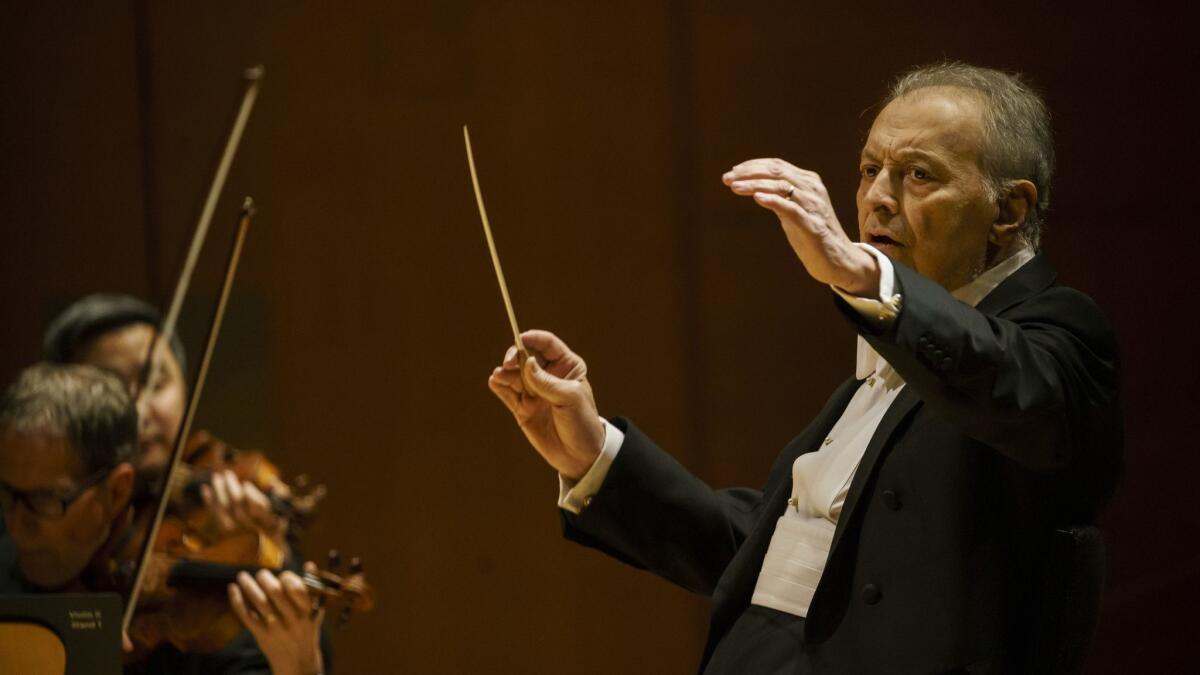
(653, 514)
(240, 657)
(1037, 382)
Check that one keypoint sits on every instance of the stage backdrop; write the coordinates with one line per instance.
(366, 318)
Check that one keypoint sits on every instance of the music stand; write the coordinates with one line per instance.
(68, 633)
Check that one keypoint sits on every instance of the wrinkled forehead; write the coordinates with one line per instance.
(36, 459)
(942, 121)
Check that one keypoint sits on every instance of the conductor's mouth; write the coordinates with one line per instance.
(881, 241)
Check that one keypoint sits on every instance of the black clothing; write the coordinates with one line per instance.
(1008, 427)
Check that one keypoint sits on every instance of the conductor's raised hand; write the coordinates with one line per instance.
(799, 198)
(552, 402)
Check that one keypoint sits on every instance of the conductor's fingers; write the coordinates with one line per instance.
(545, 385)
(767, 168)
(784, 208)
(508, 378)
(510, 359)
(552, 347)
(772, 185)
(507, 395)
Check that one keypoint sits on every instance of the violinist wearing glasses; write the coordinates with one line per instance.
(113, 332)
(68, 434)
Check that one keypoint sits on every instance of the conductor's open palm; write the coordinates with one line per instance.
(552, 402)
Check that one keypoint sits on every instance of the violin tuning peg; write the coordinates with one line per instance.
(335, 559)
(356, 566)
(343, 617)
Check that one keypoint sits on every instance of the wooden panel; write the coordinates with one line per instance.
(366, 318)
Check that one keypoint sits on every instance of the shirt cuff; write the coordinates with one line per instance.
(575, 497)
(880, 312)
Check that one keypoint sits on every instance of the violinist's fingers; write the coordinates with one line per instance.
(257, 507)
(237, 500)
(257, 599)
(316, 606)
(220, 490)
(218, 502)
(238, 602)
(297, 595)
(278, 597)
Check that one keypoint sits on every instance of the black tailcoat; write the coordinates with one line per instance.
(1008, 427)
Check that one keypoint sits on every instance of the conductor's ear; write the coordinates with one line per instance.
(1016, 205)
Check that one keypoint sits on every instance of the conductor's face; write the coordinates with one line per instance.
(922, 195)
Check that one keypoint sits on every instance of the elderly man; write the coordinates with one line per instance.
(67, 435)
(904, 530)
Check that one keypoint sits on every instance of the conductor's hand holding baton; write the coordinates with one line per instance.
(553, 403)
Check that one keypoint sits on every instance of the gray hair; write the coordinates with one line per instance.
(88, 407)
(1018, 143)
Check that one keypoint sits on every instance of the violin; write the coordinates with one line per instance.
(184, 601)
(205, 454)
(183, 598)
(189, 528)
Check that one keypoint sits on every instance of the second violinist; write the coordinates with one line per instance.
(113, 332)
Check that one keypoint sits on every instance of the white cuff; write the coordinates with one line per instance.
(575, 497)
(881, 311)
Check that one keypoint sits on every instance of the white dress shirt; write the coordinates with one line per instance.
(799, 547)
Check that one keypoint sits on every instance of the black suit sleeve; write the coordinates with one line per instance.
(1036, 382)
(654, 515)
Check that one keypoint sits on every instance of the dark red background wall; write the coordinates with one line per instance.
(366, 318)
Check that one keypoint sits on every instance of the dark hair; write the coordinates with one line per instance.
(87, 406)
(96, 314)
(1017, 139)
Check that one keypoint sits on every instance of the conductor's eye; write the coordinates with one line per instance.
(919, 174)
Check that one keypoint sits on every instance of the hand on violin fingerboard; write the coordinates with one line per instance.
(279, 613)
(240, 505)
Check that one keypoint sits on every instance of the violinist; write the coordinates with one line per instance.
(113, 332)
(67, 435)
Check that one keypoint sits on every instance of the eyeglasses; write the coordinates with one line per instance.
(44, 503)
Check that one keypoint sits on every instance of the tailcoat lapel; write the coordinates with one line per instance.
(736, 586)
(1031, 278)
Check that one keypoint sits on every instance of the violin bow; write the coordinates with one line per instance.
(210, 343)
(253, 79)
(166, 329)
